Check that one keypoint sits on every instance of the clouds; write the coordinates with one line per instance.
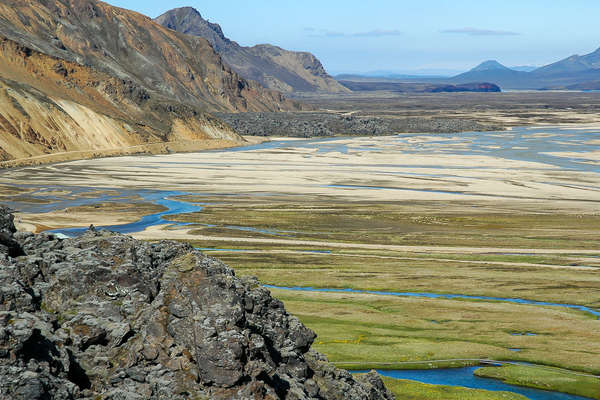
(377, 33)
(367, 34)
(480, 32)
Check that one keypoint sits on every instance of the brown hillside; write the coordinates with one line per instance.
(84, 78)
(271, 66)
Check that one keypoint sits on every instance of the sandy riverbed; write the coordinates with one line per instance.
(377, 169)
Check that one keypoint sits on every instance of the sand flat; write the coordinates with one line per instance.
(386, 171)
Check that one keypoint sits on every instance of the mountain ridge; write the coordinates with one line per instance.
(81, 78)
(570, 72)
(271, 66)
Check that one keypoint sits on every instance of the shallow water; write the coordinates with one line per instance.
(438, 296)
(520, 143)
(464, 377)
(165, 199)
(80, 196)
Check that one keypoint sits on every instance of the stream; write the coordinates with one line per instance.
(464, 377)
(438, 296)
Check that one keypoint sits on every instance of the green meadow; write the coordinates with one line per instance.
(535, 256)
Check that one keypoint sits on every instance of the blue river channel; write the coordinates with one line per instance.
(464, 377)
(438, 296)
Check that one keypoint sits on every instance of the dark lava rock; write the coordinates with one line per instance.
(8, 245)
(320, 124)
(104, 316)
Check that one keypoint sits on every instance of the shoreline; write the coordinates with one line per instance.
(183, 147)
(178, 147)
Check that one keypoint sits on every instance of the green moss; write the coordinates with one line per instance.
(44, 307)
(184, 263)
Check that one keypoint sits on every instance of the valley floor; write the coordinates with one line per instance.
(510, 215)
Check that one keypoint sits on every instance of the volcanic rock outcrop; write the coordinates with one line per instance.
(81, 76)
(271, 66)
(104, 316)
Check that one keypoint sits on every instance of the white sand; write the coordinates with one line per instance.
(305, 171)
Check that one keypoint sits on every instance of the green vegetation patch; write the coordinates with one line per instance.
(368, 331)
(546, 378)
(410, 390)
(407, 223)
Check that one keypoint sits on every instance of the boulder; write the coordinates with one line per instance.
(8, 245)
(106, 316)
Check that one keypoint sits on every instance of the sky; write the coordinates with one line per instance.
(427, 36)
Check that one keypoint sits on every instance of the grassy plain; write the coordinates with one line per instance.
(529, 273)
(544, 378)
(410, 390)
(369, 331)
(409, 223)
(361, 331)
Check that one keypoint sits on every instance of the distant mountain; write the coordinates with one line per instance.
(492, 71)
(572, 65)
(490, 65)
(271, 66)
(384, 78)
(591, 86)
(567, 73)
(79, 76)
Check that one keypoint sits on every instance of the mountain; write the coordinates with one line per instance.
(491, 71)
(271, 66)
(572, 65)
(585, 86)
(82, 78)
(384, 78)
(104, 316)
(490, 65)
(567, 73)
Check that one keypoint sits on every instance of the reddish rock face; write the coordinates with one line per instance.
(131, 46)
(81, 75)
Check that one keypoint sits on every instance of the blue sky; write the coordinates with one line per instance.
(403, 36)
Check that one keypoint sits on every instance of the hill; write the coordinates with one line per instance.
(81, 78)
(271, 66)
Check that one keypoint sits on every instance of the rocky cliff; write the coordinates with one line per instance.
(271, 66)
(105, 316)
(80, 77)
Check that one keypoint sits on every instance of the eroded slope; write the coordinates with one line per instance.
(81, 78)
(271, 66)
